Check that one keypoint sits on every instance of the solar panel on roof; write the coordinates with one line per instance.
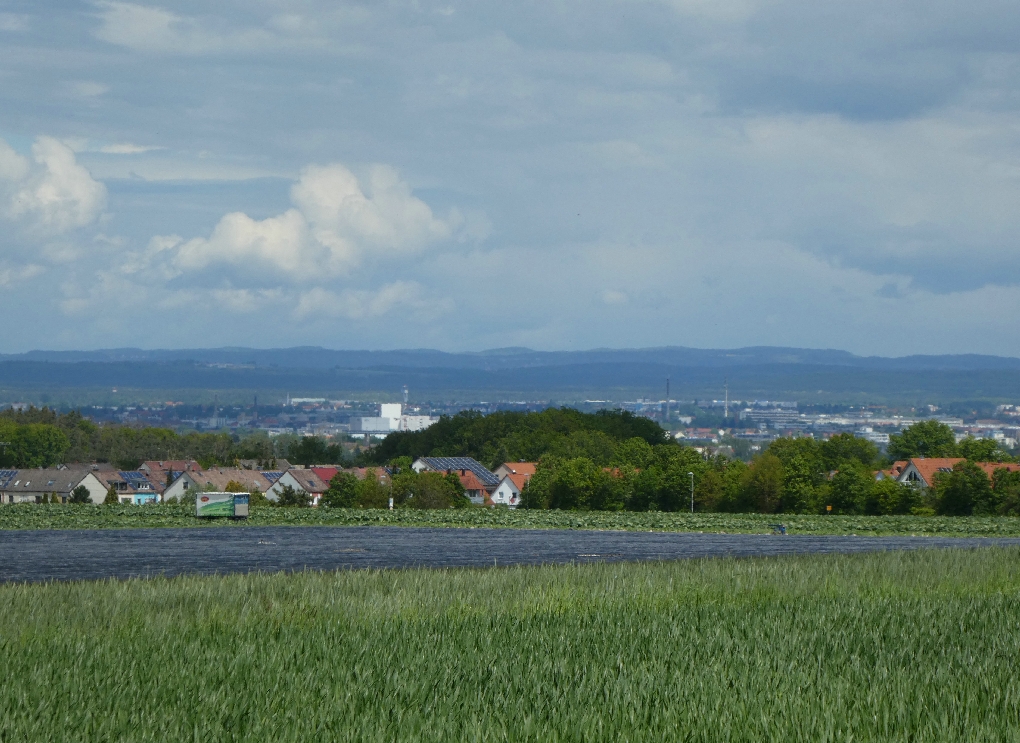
(133, 475)
(462, 463)
(272, 476)
(6, 476)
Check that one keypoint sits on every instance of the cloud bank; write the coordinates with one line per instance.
(606, 173)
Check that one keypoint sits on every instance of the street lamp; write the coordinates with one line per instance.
(692, 491)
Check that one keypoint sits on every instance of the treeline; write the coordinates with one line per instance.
(513, 436)
(791, 476)
(39, 437)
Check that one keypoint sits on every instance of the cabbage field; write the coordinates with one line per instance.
(918, 646)
(62, 516)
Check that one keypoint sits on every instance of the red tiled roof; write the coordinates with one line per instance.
(520, 480)
(521, 468)
(470, 481)
(326, 473)
(361, 472)
(929, 467)
(990, 467)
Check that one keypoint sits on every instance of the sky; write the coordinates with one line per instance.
(475, 175)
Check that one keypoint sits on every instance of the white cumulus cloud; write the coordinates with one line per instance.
(155, 30)
(336, 224)
(50, 193)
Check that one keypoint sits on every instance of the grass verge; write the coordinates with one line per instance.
(39, 516)
(895, 646)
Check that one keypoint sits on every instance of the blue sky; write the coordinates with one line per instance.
(558, 175)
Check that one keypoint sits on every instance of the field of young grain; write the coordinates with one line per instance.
(892, 647)
(55, 516)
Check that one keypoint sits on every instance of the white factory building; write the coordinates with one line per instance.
(391, 419)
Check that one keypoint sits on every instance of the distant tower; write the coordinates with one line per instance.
(256, 408)
(726, 405)
(667, 403)
(405, 394)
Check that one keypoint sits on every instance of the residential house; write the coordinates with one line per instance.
(132, 487)
(303, 480)
(326, 473)
(508, 493)
(893, 472)
(29, 486)
(921, 471)
(459, 465)
(526, 469)
(162, 473)
(477, 491)
(217, 479)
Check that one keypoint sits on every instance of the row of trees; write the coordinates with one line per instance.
(791, 476)
(42, 438)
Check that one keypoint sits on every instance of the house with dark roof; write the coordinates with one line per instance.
(132, 486)
(302, 480)
(457, 465)
(29, 486)
(217, 479)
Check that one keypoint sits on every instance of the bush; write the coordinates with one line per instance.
(111, 497)
(80, 495)
(342, 492)
(427, 490)
(964, 491)
(894, 498)
(288, 497)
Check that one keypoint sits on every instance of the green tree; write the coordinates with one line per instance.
(799, 485)
(981, 450)
(426, 490)
(234, 487)
(371, 492)
(634, 452)
(923, 439)
(111, 497)
(80, 495)
(580, 484)
(963, 492)
(763, 485)
(342, 491)
(894, 498)
(852, 489)
(536, 493)
(37, 445)
(289, 497)
(845, 447)
(1006, 485)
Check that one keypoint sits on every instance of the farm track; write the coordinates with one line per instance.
(64, 555)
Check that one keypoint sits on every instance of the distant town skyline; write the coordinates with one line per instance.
(464, 176)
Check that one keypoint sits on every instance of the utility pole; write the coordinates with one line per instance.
(692, 491)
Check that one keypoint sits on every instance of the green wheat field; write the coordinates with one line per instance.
(920, 646)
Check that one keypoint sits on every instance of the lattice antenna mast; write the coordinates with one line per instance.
(667, 403)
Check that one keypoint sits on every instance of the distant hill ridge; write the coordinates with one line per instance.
(312, 357)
